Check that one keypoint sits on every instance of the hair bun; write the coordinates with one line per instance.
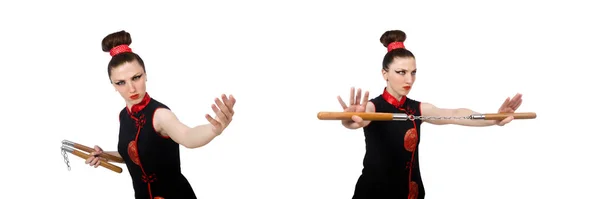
(115, 39)
(392, 36)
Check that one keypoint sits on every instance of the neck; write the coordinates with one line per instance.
(133, 108)
(393, 93)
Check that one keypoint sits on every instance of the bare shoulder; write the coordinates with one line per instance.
(370, 107)
(163, 116)
(427, 108)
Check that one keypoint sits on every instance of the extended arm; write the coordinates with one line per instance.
(167, 124)
(509, 106)
(428, 109)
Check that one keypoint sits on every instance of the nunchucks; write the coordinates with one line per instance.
(405, 117)
(74, 148)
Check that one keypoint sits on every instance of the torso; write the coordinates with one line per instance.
(152, 159)
(391, 163)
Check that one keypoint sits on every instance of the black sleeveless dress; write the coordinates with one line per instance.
(391, 162)
(152, 160)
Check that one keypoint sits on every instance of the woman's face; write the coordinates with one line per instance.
(129, 79)
(400, 75)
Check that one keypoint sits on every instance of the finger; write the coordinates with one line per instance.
(97, 164)
(219, 113)
(365, 99)
(517, 105)
(351, 96)
(358, 96)
(224, 109)
(342, 102)
(228, 102)
(97, 148)
(213, 122)
(506, 101)
(232, 99)
(94, 161)
(89, 160)
(515, 100)
(506, 120)
(507, 110)
(357, 119)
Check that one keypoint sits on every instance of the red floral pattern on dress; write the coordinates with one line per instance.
(133, 152)
(410, 140)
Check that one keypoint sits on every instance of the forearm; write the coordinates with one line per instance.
(199, 136)
(464, 112)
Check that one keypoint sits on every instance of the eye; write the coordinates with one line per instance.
(414, 72)
(120, 83)
(137, 77)
(401, 72)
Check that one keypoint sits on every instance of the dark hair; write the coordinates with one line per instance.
(394, 36)
(115, 39)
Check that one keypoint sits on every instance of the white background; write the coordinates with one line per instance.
(286, 61)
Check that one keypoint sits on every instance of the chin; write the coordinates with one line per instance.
(402, 92)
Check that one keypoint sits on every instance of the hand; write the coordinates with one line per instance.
(356, 105)
(94, 160)
(224, 113)
(509, 106)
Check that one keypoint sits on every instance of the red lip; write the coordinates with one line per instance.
(406, 87)
(135, 96)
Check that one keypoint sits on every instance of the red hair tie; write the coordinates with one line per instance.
(119, 49)
(395, 45)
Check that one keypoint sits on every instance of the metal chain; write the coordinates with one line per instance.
(439, 118)
(66, 159)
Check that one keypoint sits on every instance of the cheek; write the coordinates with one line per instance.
(122, 90)
(396, 78)
(141, 84)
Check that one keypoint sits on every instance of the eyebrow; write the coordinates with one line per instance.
(402, 69)
(138, 74)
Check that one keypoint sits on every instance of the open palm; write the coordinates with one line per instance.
(224, 113)
(509, 106)
(355, 105)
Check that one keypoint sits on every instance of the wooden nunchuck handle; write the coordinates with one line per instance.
(348, 116)
(103, 163)
(85, 156)
(501, 116)
(90, 150)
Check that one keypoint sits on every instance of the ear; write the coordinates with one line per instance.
(384, 74)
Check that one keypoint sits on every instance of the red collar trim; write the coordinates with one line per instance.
(139, 106)
(392, 100)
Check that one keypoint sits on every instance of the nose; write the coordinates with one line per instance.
(131, 88)
(408, 79)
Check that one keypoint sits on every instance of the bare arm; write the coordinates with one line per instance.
(428, 109)
(167, 124)
(509, 106)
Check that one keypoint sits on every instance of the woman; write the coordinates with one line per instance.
(150, 134)
(391, 164)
